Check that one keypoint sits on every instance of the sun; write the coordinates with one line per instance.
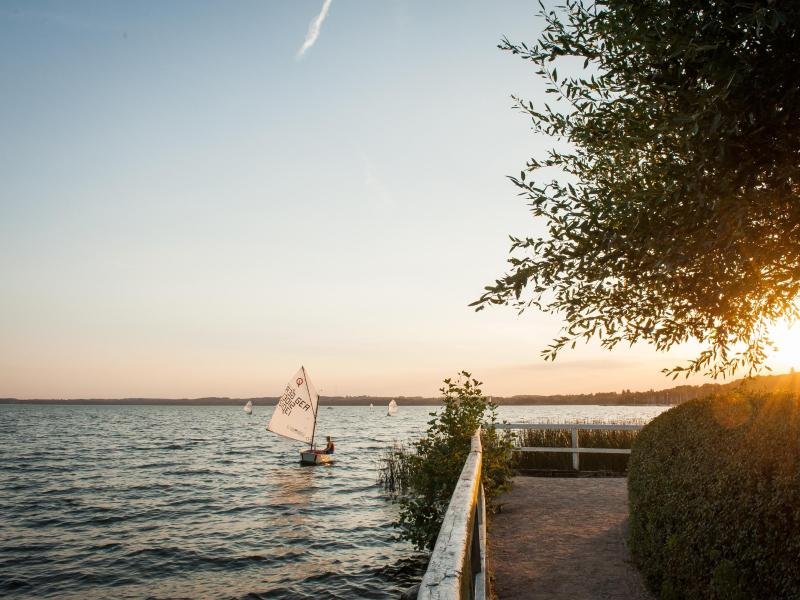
(787, 353)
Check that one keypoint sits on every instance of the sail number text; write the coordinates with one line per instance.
(290, 399)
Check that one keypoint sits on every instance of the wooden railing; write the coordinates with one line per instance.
(575, 449)
(457, 567)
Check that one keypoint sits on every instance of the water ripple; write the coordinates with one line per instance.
(187, 502)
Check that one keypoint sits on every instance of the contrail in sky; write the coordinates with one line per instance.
(314, 29)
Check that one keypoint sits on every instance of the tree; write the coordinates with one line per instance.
(677, 214)
(432, 469)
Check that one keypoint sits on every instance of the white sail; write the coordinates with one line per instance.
(248, 408)
(392, 408)
(296, 411)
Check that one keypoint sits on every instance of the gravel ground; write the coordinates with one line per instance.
(563, 538)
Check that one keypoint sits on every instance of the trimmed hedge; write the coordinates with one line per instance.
(714, 488)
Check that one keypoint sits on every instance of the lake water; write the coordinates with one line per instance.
(202, 502)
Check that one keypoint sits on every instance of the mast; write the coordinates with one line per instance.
(316, 408)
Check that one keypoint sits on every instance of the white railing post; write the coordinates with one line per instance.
(479, 571)
(454, 571)
(576, 464)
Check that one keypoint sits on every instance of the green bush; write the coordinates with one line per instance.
(714, 489)
(430, 471)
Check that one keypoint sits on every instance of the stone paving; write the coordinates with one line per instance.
(563, 538)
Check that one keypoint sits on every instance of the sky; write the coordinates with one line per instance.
(199, 197)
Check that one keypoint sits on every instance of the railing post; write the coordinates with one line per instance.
(575, 455)
(456, 569)
(479, 565)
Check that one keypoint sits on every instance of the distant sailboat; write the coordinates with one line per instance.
(392, 411)
(295, 417)
(248, 408)
(371, 406)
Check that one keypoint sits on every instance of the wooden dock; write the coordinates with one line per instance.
(563, 538)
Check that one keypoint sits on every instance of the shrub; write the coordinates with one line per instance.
(432, 468)
(714, 489)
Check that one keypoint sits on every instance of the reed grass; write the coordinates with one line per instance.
(394, 468)
(587, 438)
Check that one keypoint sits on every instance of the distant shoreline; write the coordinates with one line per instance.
(666, 397)
(323, 402)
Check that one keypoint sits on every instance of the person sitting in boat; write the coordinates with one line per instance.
(330, 447)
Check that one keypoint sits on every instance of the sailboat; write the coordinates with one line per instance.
(295, 417)
(248, 408)
(392, 411)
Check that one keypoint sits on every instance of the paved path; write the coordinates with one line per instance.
(563, 538)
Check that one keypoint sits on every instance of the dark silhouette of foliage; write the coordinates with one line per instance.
(714, 489)
(676, 215)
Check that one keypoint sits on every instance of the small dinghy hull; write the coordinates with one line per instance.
(310, 457)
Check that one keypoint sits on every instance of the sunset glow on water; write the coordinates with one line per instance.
(165, 502)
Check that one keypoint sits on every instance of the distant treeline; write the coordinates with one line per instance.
(673, 395)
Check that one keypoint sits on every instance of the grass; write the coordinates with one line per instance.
(587, 438)
(394, 469)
